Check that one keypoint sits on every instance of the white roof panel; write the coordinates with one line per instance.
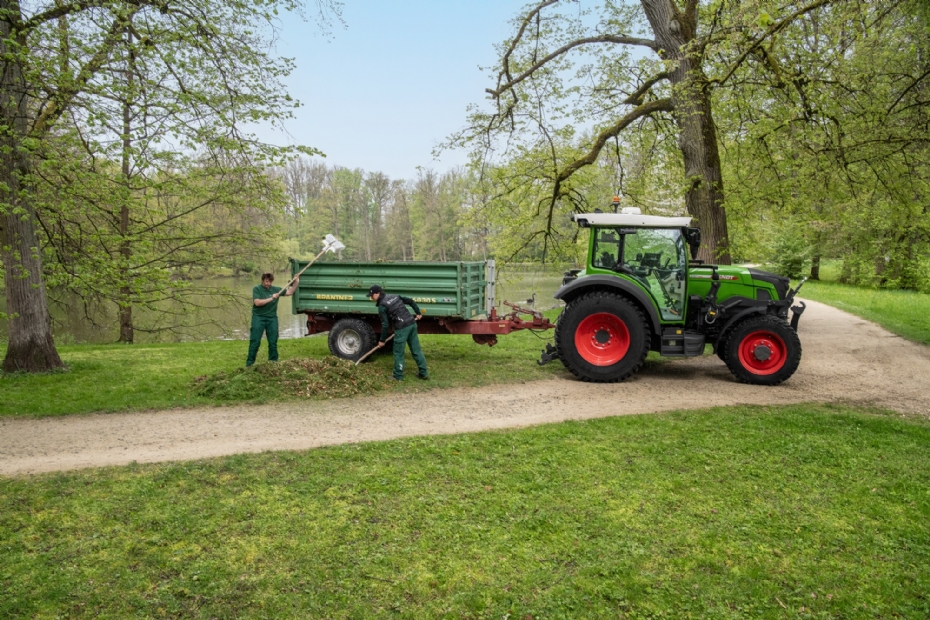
(632, 219)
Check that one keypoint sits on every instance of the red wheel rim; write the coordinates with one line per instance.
(602, 339)
(763, 352)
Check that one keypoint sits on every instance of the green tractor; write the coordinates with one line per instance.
(640, 291)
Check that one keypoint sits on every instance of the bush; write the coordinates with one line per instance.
(790, 253)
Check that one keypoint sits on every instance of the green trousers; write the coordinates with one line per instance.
(268, 325)
(408, 336)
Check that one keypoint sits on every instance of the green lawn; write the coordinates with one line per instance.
(905, 313)
(742, 512)
(161, 376)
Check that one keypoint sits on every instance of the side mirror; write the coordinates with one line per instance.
(693, 236)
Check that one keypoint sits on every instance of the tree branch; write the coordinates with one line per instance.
(61, 100)
(70, 8)
(659, 105)
(772, 30)
(604, 38)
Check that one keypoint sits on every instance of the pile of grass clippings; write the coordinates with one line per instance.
(329, 377)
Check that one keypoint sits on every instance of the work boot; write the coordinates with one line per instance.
(422, 377)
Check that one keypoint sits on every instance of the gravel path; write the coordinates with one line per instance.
(846, 359)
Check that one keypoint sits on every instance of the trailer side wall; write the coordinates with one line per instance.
(449, 289)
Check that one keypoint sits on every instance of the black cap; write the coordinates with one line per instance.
(375, 289)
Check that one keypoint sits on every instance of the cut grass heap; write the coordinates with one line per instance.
(328, 377)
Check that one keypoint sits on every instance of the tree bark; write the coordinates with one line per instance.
(126, 331)
(697, 136)
(31, 347)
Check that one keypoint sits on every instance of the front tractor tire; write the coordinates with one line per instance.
(350, 339)
(762, 350)
(602, 337)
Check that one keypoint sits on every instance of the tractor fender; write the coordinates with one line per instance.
(576, 287)
(736, 317)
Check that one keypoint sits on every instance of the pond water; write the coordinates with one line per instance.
(75, 322)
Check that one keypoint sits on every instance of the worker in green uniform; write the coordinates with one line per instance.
(393, 311)
(265, 317)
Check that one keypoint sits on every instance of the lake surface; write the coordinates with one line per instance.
(76, 323)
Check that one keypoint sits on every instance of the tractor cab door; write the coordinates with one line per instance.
(657, 259)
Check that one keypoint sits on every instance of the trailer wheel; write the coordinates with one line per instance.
(602, 337)
(350, 339)
(763, 350)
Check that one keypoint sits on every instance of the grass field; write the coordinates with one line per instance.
(743, 512)
(905, 313)
(161, 376)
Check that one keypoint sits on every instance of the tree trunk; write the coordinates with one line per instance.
(815, 267)
(31, 347)
(126, 331)
(697, 135)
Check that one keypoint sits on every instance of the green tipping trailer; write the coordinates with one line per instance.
(455, 298)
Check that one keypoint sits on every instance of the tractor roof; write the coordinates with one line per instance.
(630, 219)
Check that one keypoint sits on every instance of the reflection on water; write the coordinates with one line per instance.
(75, 322)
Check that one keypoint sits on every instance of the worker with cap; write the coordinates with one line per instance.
(265, 316)
(393, 311)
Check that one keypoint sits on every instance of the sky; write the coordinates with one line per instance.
(382, 92)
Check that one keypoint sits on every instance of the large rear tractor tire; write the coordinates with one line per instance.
(763, 350)
(350, 339)
(602, 337)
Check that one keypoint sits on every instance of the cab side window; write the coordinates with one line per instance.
(607, 246)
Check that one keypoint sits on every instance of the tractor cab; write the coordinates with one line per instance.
(648, 250)
(642, 289)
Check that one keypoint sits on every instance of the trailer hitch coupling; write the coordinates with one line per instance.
(550, 353)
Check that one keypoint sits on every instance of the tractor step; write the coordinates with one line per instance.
(678, 342)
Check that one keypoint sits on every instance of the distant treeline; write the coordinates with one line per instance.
(379, 218)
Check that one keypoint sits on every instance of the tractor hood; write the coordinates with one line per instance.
(736, 280)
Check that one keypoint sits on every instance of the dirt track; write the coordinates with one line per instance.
(846, 359)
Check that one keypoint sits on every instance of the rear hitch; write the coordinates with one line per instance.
(549, 354)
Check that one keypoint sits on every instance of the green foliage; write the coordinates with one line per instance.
(807, 511)
(790, 253)
(829, 130)
(381, 219)
(138, 152)
(304, 377)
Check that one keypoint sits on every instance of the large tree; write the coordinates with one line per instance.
(574, 78)
(212, 64)
(831, 146)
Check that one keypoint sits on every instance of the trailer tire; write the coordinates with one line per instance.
(602, 337)
(350, 339)
(762, 350)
